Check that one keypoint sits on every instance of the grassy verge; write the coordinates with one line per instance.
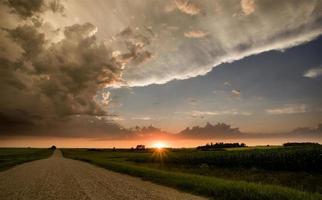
(216, 188)
(303, 181)
(10, 157)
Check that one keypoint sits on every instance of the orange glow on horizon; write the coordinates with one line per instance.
(159, 145)
(45, 142)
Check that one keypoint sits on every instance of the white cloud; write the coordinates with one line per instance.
(116, 118)
(108, 118)
(288, 109)
(313, 73)
(244, 28)
(227, 83)
(106, 98)
(198, 113)
(236, 92)
(195, 34)
(274, 27)
(146, 118)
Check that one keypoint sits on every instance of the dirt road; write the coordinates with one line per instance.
(61, 178)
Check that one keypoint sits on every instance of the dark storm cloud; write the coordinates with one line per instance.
(224, 131)
(49, 82)
(25, 8)
(30, 8)
(58, 80)
(29, 39)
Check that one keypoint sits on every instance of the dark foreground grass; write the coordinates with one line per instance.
(303, 181)
(10, 157)
(215, 188)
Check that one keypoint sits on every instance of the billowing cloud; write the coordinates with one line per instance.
(288, 109)
(9, 50)
(222, 130)
(313, 73)
(45, 82)
(56, 80)
(248, 6)
(157, 47)
(242, 29)
(34, 7)
(187, 7)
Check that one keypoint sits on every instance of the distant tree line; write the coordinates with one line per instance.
(220, 145)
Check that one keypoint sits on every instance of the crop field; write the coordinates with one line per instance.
(10, 157)
(287, 159)
(246, 173)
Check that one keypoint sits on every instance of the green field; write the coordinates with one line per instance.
(10, 157)
(248, 173)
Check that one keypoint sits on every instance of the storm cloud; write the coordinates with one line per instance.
(197, 36)
(58, 58)
(48, 82)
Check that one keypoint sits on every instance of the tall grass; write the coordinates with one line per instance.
(10, 157)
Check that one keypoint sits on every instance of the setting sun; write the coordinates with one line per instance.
(159, 145)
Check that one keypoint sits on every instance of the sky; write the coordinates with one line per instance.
(110, 69)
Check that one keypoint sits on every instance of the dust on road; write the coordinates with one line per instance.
(61, 178)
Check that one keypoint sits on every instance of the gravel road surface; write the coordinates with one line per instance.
(61, 178)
